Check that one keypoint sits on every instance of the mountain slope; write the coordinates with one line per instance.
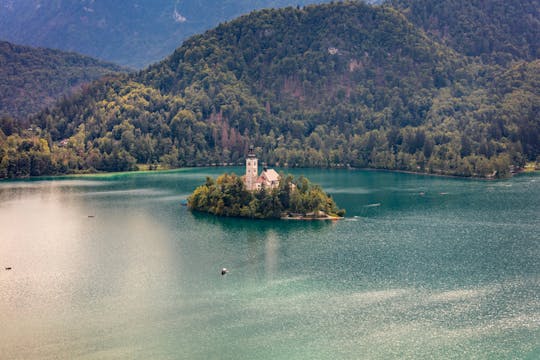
(127, 32)
(497, 30)
(34, 78)
(329, 85)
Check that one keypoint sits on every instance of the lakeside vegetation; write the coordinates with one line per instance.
(333, 85)
(294, 198)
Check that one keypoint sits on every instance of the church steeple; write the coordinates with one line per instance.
(252, 169)
(251, 152)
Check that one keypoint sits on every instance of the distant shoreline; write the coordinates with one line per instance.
(146, 171)
(520, 171)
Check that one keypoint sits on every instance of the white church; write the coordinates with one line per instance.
(268, 179)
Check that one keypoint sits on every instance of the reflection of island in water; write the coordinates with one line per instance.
(240, 224)
(265, 196)
(265, 245)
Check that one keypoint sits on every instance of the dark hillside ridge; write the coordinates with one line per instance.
(496, 30)
(33, 78)
(335, 85)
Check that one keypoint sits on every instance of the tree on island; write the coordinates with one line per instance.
(294, 198)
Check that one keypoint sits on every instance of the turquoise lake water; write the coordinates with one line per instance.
(113, 267)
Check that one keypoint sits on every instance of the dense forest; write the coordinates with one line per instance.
(33, 78)
(335, 85)
(227, 196)
(497, 31)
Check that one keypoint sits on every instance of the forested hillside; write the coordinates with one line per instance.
(497, 30)
(33, 78)
(343, 84)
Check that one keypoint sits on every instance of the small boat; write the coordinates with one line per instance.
(224, 271)
(374, 205)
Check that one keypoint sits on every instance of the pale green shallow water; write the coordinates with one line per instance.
(452, 274)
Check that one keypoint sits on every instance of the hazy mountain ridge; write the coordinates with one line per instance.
(127, 32)
(33, 78)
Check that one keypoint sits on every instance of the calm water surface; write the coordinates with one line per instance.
(114, 267)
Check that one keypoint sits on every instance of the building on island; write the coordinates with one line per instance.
(268, 179)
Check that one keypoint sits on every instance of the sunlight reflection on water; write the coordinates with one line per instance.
(117, 268)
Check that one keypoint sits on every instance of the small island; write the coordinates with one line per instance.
(265, 196)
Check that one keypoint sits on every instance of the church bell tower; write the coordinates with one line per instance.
(252, 169)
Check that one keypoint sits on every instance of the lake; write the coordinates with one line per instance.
(112, 266)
